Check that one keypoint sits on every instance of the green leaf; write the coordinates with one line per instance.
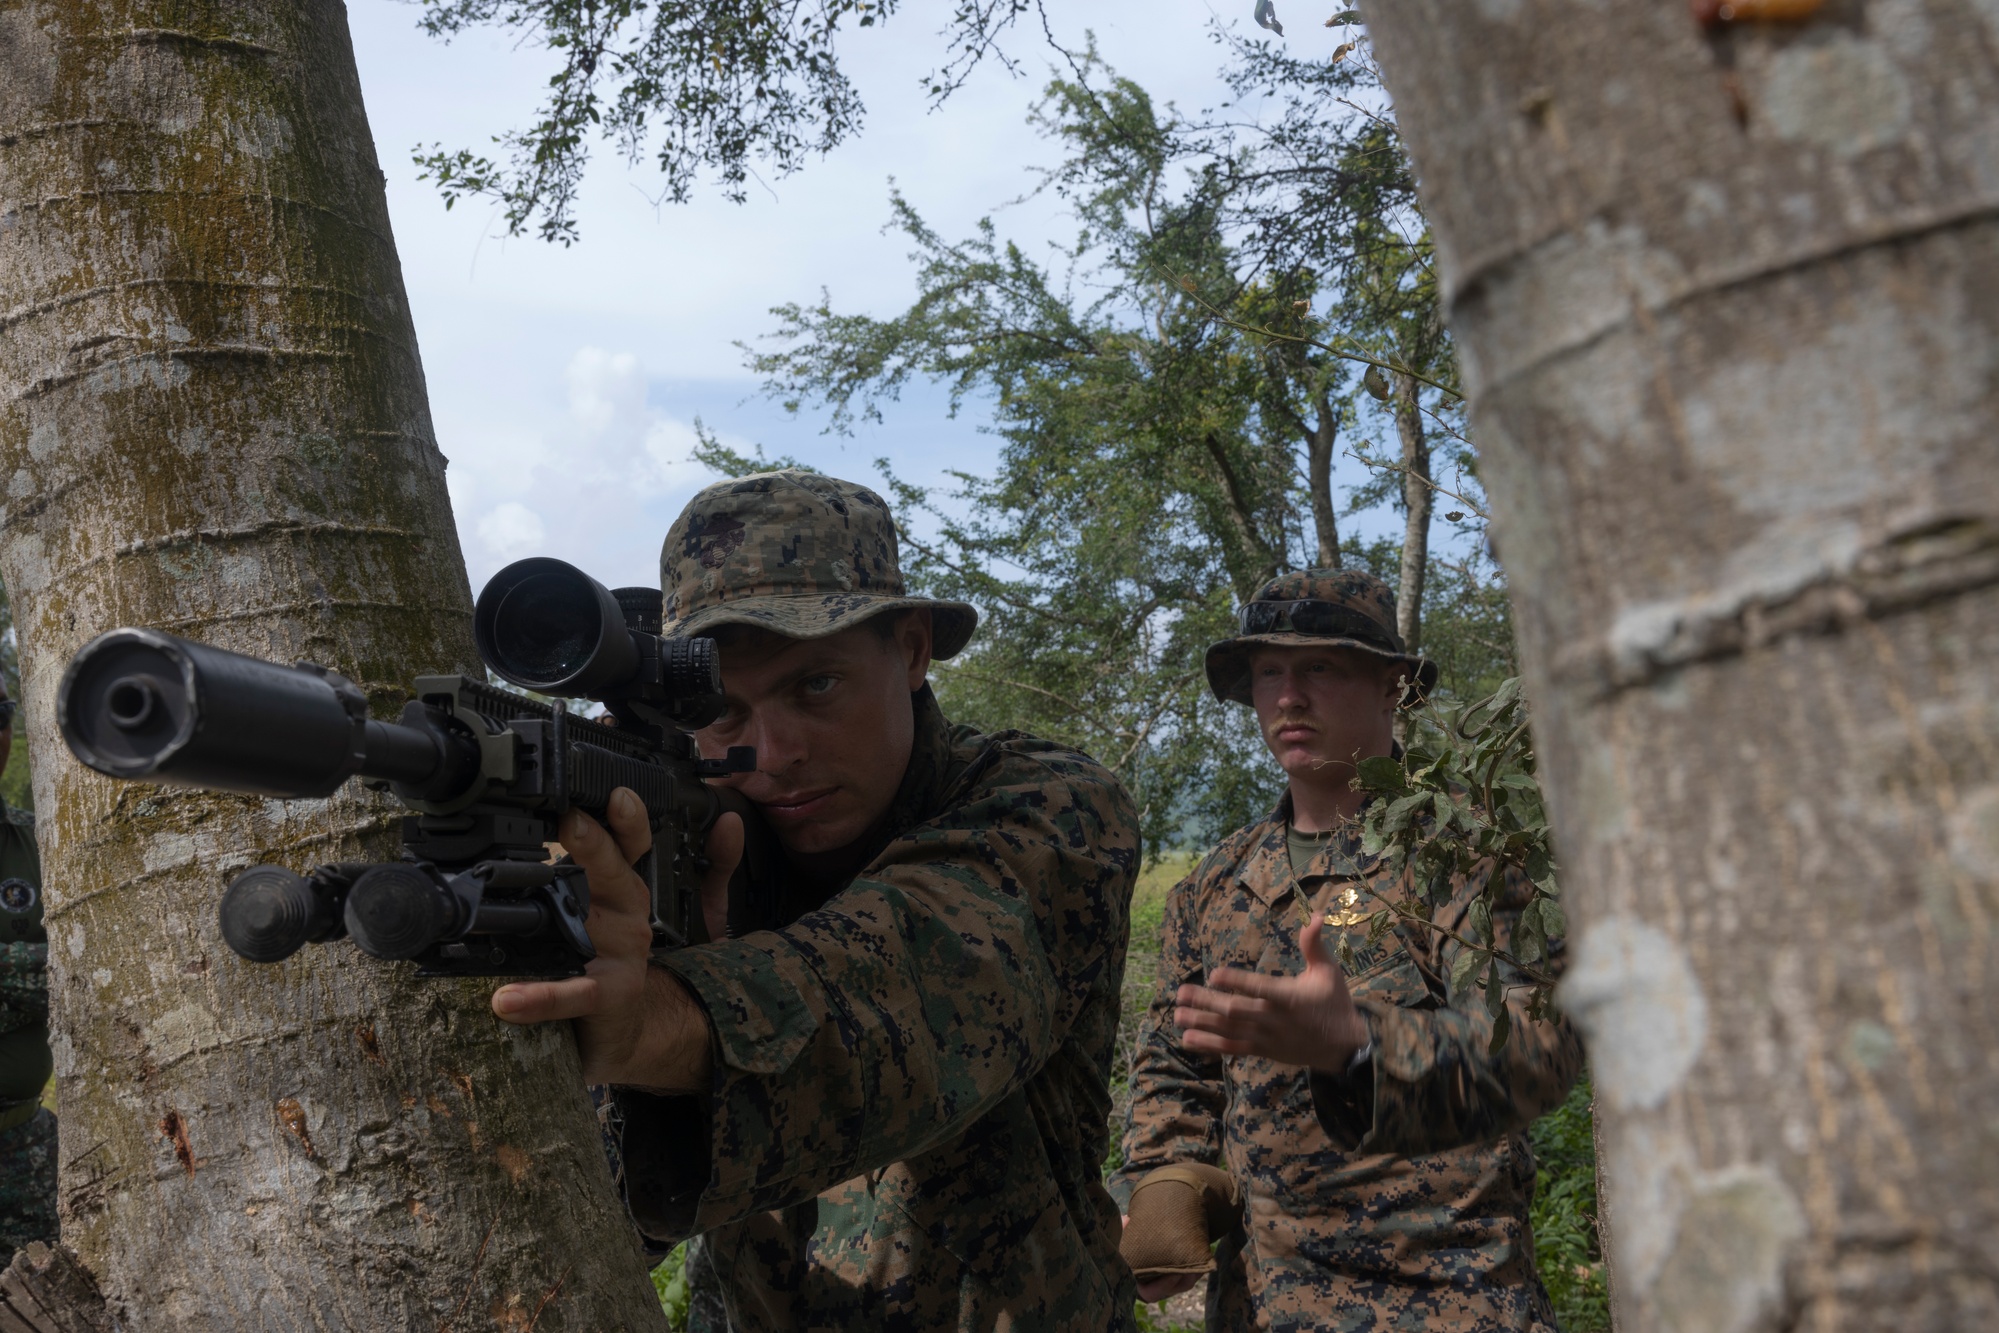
(1379, 924)
(1447, 811)
(1481, 919)
(1383, 775)
(1554, 922)
(1529, 943)
(1461, 971)
(1495, 991)
(1502, 1027)
(1402, 811)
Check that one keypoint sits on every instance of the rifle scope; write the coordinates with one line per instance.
(545, 625)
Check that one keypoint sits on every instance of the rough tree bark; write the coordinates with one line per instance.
(212, 419)
(1727, 303)
(1417, 499)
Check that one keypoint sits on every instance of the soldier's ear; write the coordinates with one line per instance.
(913, 638)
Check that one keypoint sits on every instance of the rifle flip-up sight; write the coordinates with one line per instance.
(486, 774)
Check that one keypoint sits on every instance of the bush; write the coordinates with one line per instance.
(1565, 1237)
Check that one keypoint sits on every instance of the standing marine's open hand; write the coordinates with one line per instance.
(1309, 1019)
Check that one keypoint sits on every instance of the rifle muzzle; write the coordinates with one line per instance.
(147, 706)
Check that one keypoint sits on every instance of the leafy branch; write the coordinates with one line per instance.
(1462, 802)
(1227, 321)
(1381, 465)
(714, 86)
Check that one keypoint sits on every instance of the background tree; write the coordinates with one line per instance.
(1168, 441)
(1316, 180)
(715, 85)
(1727, 298)
(212, 419)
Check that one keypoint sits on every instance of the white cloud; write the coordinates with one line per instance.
(595, 481)
(512, 530)
(606, 389)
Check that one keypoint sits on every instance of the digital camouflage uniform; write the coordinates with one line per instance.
(27, 1132)
(1364, 1213)
(907, 1121)
(1393, 1199)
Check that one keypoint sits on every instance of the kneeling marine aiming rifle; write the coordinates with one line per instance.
(486, 773)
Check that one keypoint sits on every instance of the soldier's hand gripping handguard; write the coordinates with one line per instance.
(486, 773)
(1177, 1214)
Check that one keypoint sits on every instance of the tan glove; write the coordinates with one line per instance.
(1177, 1213)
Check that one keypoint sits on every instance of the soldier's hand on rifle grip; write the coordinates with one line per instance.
(635, 1024)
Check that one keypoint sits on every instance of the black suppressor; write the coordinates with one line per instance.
(147, 706)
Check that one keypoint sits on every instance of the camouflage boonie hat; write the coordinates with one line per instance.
(1318, 608)
(796, 553)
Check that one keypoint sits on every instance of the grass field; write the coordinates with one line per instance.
(1182, 1314)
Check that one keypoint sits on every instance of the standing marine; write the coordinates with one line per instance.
(1351, 1131)
(27, 1129)
(891, 1113)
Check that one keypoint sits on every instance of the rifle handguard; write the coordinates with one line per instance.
(1176, 1215)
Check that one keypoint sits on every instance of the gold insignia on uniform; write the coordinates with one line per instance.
(1346, 912)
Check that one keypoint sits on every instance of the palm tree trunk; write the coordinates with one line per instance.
(213, 420)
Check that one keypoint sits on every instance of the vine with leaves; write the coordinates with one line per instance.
(1464, 801)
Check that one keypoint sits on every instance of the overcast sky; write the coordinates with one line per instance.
(564, 381)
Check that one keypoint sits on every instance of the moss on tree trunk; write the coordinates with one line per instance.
(212, 420)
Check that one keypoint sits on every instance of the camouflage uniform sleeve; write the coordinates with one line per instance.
(919, 996)
(24, 986)
(1434, 1083)
(1177, 1095)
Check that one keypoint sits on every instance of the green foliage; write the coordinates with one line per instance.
(1161, 452)
(17, 783)
(710, 86)
(669, 1279)
(1463, 795)
(1566, 1247)
(1152, 1319)
(711, 453)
